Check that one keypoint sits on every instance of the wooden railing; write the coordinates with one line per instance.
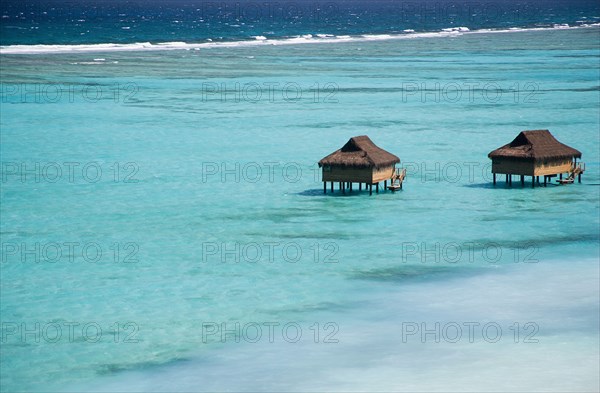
(578, 168)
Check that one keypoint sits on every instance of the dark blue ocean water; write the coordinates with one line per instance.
(111, 21)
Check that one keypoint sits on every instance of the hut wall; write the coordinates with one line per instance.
(552, 167)
(512, 167)
(356, 175)
(382, 174)
(530, 168)
(345, 173)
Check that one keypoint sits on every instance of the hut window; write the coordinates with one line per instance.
(327, 168)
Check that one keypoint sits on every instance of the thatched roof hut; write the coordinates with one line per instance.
(535, 145)
(358, 161)
(535, 153)
(360, 152)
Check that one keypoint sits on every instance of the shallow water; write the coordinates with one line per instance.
(207, 208)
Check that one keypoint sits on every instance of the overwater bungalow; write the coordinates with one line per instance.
(536, 153)
(361, 161)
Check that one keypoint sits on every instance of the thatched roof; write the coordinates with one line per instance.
(535, 145)
(360, 151)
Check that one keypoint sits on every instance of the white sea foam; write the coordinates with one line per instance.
(460, 29)
(262, 40)
(377, 37)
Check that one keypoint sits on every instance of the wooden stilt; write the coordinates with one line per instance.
(370, 189)
(384, 185)
(506, 179)
(545, 180)
(532, 181)
(324, 187)
(342, 187)
(494, 179)
(332, 187)
(377, 188)
(579, 178)
(560, 176)
(522, 180)
(350, 186)
(537, 180)
(360, 186)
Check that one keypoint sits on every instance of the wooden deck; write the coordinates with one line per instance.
(397, 180)
(576, 171)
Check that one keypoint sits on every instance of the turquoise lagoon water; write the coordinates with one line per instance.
(201, 171)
